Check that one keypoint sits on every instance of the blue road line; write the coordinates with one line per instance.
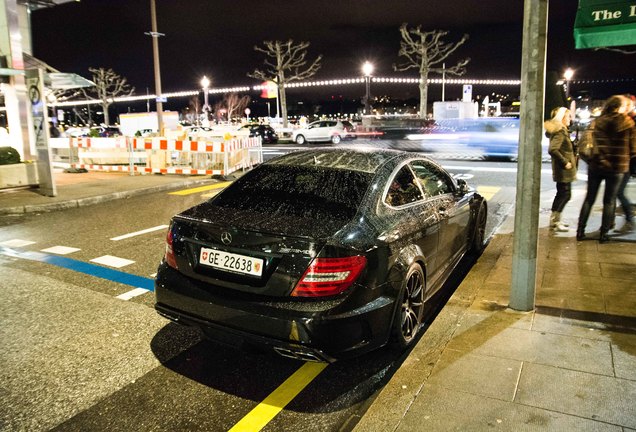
(83, 267)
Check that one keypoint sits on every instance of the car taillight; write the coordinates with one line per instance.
(169, 257)
(329, 276)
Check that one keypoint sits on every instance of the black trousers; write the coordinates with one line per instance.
(563, 195)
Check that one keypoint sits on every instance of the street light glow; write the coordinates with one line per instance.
(205, 82)
(367, 69)
(568, 74)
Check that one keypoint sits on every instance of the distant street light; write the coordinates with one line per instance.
(367, 70)
(568, 74)
(205, 83)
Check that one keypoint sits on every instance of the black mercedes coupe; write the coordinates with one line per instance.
(321, 254)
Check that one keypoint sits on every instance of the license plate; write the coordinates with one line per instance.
(231, 262)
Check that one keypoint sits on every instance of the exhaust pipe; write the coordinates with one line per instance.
(298, 354)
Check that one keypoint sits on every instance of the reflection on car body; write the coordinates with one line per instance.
(317, 255)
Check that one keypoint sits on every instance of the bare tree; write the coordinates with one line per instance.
(426, 52)
(232, 104)
(108, 86)
(289, 64)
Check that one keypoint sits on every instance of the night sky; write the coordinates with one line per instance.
(217, 38)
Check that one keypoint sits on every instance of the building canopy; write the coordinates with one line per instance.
(605, 23)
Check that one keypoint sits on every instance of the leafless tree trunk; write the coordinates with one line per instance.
(232, 104)
(425, 51)
(108, 86)
(289, 64)
(235, 104)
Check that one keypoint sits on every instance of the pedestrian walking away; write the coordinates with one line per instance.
(563, 163)
(626, 205)
(616, 143)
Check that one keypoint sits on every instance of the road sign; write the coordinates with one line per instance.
(468, 93)
(161, 99)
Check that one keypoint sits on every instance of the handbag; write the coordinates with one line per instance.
(588, 150)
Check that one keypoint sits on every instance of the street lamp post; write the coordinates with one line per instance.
(367, 70)
(205, 83)
(155, 55)
(568, 74)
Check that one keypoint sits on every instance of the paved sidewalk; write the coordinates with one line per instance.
(81, 189)
(569, 365)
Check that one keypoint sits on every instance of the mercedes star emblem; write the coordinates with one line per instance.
(226, 238)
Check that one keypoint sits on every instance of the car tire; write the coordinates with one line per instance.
(477, 243)
(335, 139)
(300, 139)
(407, 321)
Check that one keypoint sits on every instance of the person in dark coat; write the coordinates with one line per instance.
(628, 226)
(563, 163)
(614, 140)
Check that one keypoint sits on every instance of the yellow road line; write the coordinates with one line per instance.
(201, 189)
(264, 412)
(488, 191)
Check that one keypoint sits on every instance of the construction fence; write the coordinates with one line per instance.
(157, 155)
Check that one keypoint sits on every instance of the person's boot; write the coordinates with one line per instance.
(603, 237)
(553, 219)
(580, 233)
(557, 225)
(627, 227)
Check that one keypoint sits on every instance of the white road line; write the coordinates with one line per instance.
(112, 261)
(136, 233)
(60, 250)
(17, 243)
(133, 293)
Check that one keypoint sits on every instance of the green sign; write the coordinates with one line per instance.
(605, 23)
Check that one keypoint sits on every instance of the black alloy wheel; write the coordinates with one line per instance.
(408, 319)
(479, 234)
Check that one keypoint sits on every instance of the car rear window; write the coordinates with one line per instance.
(326, 196)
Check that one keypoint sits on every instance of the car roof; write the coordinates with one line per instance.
(364, 160)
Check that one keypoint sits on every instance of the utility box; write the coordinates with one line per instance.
(455, 110)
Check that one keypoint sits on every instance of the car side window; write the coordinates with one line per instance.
(403, 189)
(432, 181)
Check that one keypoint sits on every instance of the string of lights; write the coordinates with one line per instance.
(333, 82)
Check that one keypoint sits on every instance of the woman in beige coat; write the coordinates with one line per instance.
(563, 157)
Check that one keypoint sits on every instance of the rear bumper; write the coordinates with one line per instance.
(320, 331)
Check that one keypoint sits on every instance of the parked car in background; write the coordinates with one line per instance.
(324, 131)
(198, 132)
(104, 131)
(266, 132)
(320, 254)
(76, 132)
(145, 133)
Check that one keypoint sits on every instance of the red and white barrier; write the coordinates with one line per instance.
(161, 155)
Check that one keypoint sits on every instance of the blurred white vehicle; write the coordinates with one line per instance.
(324, 131)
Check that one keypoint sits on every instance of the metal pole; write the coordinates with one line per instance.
(206, 107)
(443, 80)
(525, 237)
(367, 105)
(155, 55)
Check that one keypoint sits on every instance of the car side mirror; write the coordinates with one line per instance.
(462, 187)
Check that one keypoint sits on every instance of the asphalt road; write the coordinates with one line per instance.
(84, 350)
